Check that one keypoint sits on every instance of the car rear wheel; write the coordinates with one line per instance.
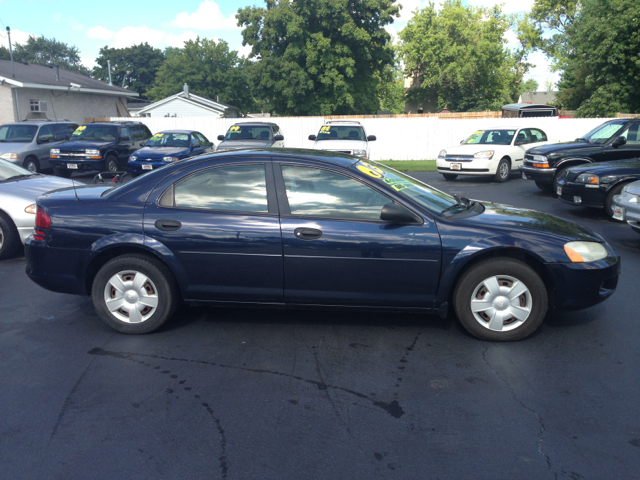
(500, 300)
(503, 171)
(134, 294)
(62, 172)
(32, 165)
(449, 176)
(608, 202)
(544, 186)
(112, 163)
(9, 238)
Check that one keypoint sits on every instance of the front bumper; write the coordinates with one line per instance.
(581, 195)
(467, 167)
(544, 175)
(582, 285)
(143, 167)
(82, 164)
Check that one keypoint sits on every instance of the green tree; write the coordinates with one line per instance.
(49, 51)
(143, 61)
(457, 57)
(601, 72)
(391, 89)
(4, 53)
(319, 57)
(551, 26)
(529, 85)
(210, 69)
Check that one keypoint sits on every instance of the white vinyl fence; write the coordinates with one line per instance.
(411, 138)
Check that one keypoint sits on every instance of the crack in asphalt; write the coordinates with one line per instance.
(393, 408)
(526, 407)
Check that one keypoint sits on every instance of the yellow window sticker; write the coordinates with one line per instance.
(325, 129)
(235, 128)
(79, 130)
(370, 170)
(157, 135)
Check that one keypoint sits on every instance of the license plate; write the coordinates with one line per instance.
(456, 166)
(72, 166)
(559, 190)
(524, 175)
(618, 213)
(147, 167)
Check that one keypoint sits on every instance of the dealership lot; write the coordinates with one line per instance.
(253, 393)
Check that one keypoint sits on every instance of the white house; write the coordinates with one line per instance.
(185, 104)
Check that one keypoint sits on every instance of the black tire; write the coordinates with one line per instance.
(608, 202)
(62, 172)
(32, 164)
(111, 163)
(503, 171)
(506, 272)
(544, 186)
(9, 238)
(159, 282)
(449, 176)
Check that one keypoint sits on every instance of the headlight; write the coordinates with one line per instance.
(540, 158)
(588, 178)
(487, 154)
(133, 158)
(54, 151)
(31, 208)
(360, 153)
(579, 252)
(10, 156)
(92, 152)
(442, 154)
(629, 186)
(170, 159)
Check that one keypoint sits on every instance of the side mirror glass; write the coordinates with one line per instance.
(619, 142)
(461, 141)
(220, 137)
(371, 138)
(278, 138)
(312, 138)
(394, 213)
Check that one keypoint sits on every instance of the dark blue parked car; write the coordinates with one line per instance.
(166, 147)
(311, 228)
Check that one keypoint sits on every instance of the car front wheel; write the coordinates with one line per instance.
(449, 176)
(134, 294)
(500, 300)
(544, 186)
(112, 163)
(503, 171)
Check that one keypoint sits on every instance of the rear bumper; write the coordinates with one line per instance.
(544, 175)
(55, 269)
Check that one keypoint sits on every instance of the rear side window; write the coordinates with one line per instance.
(537, 135)
(632, 134)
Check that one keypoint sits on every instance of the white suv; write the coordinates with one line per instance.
(343, 136)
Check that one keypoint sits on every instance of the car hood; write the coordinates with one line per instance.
(339, 145)
(562, 146)
(29, 188)
(159, 152)
(620, 167)
(15, 147)
(471, 148)
(227, 144)
(84, 144)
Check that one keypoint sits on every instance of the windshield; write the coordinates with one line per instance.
(491, 137)
(341, 132)
(104, 133)
(248, 132)
(428, 197)
(169, 140)
(9, 170)
(604, 132)
(17, 133)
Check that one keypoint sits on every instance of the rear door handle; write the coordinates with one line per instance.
(307, 233)
(168, 225)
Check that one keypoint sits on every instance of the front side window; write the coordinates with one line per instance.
(241, 188)
(632, 134)
(45, 133)
(17, 133)
(604, 132)
(322, 193)
(341, 132)
(104, 133)
(537, 135)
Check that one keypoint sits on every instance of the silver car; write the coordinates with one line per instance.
(28, 143)
(626, 206)
(19, 189)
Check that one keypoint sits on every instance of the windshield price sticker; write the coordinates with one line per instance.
(398, 185)
(325, 129)
(157, 135)
(370, 170)
(235, 129)
(79, 130)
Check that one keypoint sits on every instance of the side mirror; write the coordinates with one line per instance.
(278, 138)
(619, 142)
(312, 138)
(43, 140)
(371, 138)
(125, 138)
(461, 141)
(220, 137)
(394, 213)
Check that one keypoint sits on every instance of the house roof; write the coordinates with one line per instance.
(29, 75)
(193, 99)
(544, 98)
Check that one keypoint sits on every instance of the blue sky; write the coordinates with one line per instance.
(90, 25)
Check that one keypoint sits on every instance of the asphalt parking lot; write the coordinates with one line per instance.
(297, 394)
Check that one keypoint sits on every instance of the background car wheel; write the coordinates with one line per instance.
(558, 174)
(134, 294)
(62, 172)
(9, 238)
(545, 187)
(112, 163)
(500, 300)
(608, 202)
(449, 176)
(503, 171)
(32, 165)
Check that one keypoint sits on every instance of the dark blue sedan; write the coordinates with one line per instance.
(310, 228)
(167, 147)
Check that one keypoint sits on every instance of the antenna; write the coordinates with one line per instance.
(74, 188)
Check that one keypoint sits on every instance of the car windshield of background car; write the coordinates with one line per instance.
(604, 132)
(248, 132)
(428, 197)
(17, 133)
(103, 133)
(491, 137)
(341, 132)
(9, 170)
(169, 140)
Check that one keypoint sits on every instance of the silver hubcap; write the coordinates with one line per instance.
(504, 170)
(113, 167)
(131, 296)
(32, 167)
(501, 303)
(1, 238)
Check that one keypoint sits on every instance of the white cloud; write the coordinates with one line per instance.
(129, 36)
(508, 6)
(391, 30)
(408, 6)
(18, 36)
(88, 62)
(243, 50)
(207, 17)
(173, 40)
(542, 71)
(511, 38)
(100, 32)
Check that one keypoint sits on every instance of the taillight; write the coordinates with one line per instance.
(43, 220)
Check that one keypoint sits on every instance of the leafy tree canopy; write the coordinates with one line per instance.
(49, 51)
(210, 69)
(4, 53)
(456, 57)
(551, 25)
(391, 89)
(529, 85)
(143, 61)
(319, 57)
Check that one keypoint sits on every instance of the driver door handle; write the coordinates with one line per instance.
(307, 233)
(168, 225)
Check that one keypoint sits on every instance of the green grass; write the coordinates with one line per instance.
(411, 165)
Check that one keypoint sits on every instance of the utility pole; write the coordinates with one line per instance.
(109, 69)
(13, 70)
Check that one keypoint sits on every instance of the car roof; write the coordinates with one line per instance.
(257, 124)
(178, 131)
(117, 124)
(351, 123)
(38, 122)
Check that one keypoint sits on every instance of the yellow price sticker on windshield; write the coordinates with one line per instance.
(79, 130)
(157, 135)
(235, 129)
(371, 170)
(325, 129)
